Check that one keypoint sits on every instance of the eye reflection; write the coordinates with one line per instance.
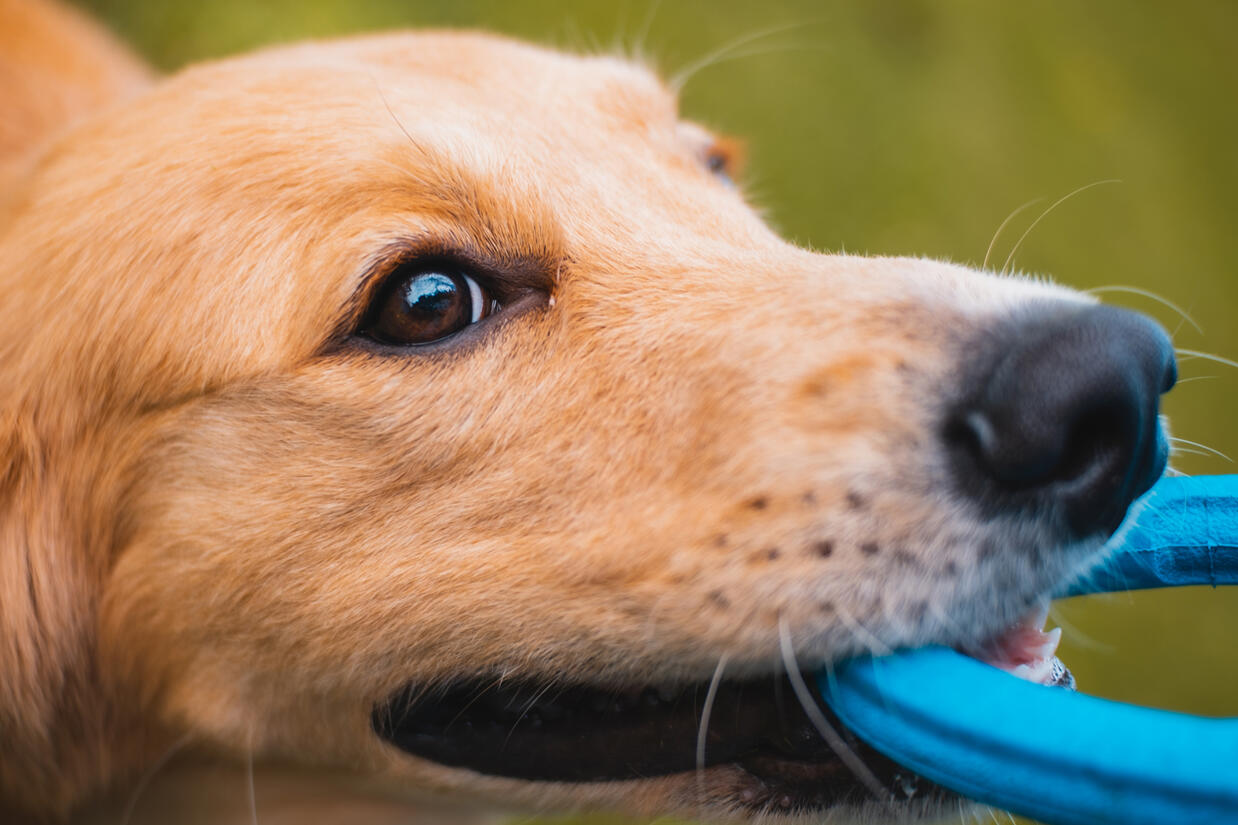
(432, 295)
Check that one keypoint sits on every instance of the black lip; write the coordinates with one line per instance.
(550, 733)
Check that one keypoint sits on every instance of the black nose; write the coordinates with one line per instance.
(1066, 416)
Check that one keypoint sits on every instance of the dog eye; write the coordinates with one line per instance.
(720, 167)
(421, 304)
(723, 159)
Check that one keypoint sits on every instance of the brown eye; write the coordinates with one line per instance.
(421, 304)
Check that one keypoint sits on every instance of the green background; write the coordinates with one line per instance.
(916, 128)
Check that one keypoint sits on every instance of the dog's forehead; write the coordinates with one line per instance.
(506, 75)
(445, 80)
(262, 186)
(465, 117)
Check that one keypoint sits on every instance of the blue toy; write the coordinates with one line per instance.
(1060, 757)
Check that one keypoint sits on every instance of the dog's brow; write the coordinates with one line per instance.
(638, 97)
(471, 213)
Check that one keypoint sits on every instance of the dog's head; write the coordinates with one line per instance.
(433, 406)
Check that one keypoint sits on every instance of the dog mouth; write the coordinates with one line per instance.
(565, 732)
(1024, 649)
(578, 733)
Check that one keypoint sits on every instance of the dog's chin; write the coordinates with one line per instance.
(761, 751)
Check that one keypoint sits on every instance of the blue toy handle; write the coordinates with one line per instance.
(1050, 754)
(1183, 532)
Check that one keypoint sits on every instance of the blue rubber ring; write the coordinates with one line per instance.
(1060, 757)
(1183, 532)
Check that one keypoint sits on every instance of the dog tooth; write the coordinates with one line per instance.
(1052, 639)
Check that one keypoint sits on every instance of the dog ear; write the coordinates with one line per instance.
(56, 65)
(44, 612)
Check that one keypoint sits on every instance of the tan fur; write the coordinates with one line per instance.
(222, 523)
(55, 66)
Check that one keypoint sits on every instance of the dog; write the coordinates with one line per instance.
(431, 409)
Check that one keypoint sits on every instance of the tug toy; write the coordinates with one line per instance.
(1054, 755)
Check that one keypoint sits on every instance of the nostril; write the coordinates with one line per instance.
(1011, 462)
(1093, 440)
(974, 430)
(1096, 443)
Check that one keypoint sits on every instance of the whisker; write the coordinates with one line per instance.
(618, 41)
(831, 737)
(703, 728)
(1076, 635)
(477, 695)
(681, 77)
(862, 634)
(1207, 356)
(1134, 290)
(1044, 214)
(159, 764)
(985, 263)
(592, 41)
(1182, 381)
(637, 49)
(1176, 440)
(253, 797)
(757, 51)
(942, 617)
(537, 697)
(387, 106)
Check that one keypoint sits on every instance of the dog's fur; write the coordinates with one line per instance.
(225, 521)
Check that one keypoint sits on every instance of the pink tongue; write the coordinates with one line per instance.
(1024, 649)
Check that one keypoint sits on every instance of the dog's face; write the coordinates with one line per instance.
(438, 371)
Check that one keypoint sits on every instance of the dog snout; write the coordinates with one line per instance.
(1067, 416)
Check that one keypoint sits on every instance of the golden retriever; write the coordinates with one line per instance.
(431, 410)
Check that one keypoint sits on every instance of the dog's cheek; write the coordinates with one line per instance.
(316, 544)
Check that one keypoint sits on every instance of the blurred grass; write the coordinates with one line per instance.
(916, 127)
